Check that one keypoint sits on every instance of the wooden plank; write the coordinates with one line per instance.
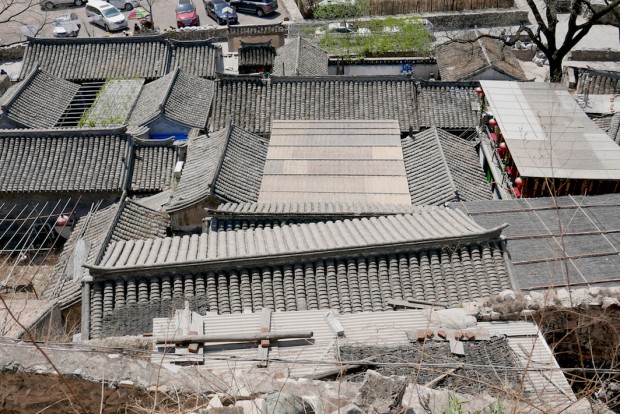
(263, 346)
(442, 376)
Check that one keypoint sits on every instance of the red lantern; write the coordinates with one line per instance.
(519, 182)
(62, 220)
(502, 149)
(492, 123)
(479, 91)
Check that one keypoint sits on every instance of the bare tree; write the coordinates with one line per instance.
(27, 13)
(582, 16)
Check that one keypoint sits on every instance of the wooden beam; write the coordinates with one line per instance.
(249, 337)
(415, 304)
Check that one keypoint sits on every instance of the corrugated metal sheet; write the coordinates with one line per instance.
(549, 134)
(350, 171)
(304, 357)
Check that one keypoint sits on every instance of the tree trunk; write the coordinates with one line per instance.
(555, 70)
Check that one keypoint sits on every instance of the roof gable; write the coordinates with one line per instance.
(228, 164)
(300, 57)
(442, 167)
(180, 97)
(467, 56)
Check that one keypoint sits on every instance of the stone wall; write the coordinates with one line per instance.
(463, 20)
(12, 53)
(595, 55)
(197, 34)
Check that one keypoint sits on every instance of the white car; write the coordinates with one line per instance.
(105, 15)
(67, 25)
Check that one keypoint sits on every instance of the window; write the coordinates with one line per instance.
(111, 12)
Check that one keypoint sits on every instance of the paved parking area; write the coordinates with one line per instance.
(163, 16)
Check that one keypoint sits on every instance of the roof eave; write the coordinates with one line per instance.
(197, 266)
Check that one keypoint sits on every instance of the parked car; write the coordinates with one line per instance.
(260, 7)
(67, 25)
(186, 14)
(221, 11)
(50, 4)
(126, 5)
(105, 15)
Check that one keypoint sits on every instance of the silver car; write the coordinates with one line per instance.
(50, 4)
(124, 4)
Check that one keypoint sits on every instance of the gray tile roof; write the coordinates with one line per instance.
(348, 265)
(300, 57)
(435, 225)
(39, 100)
(600, 83)
(63, 160)
(198, 58)
(153, 167)
(448, 105)
(349, 285)
(442, 167)
(227, 164)
(575, 244)
(252, 104)
(125, 220)
(465, 58)
(98, 59)
(148, 57)
(179, 97)
(256, 54)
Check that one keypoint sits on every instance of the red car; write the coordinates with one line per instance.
(186, 14)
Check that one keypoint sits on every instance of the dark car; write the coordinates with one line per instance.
(186, 14)
(260, 7)
(221, 11)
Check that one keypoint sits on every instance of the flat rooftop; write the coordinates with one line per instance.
(335, 161)
(548, 133)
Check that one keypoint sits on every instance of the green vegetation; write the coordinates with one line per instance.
(342, 10)
(377, 37)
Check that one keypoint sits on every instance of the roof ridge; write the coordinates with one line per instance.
(483, 48)
(173, 78)
(63, 132)
(445, 162)
(97, 40)
(297, 55)
(220, 161)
